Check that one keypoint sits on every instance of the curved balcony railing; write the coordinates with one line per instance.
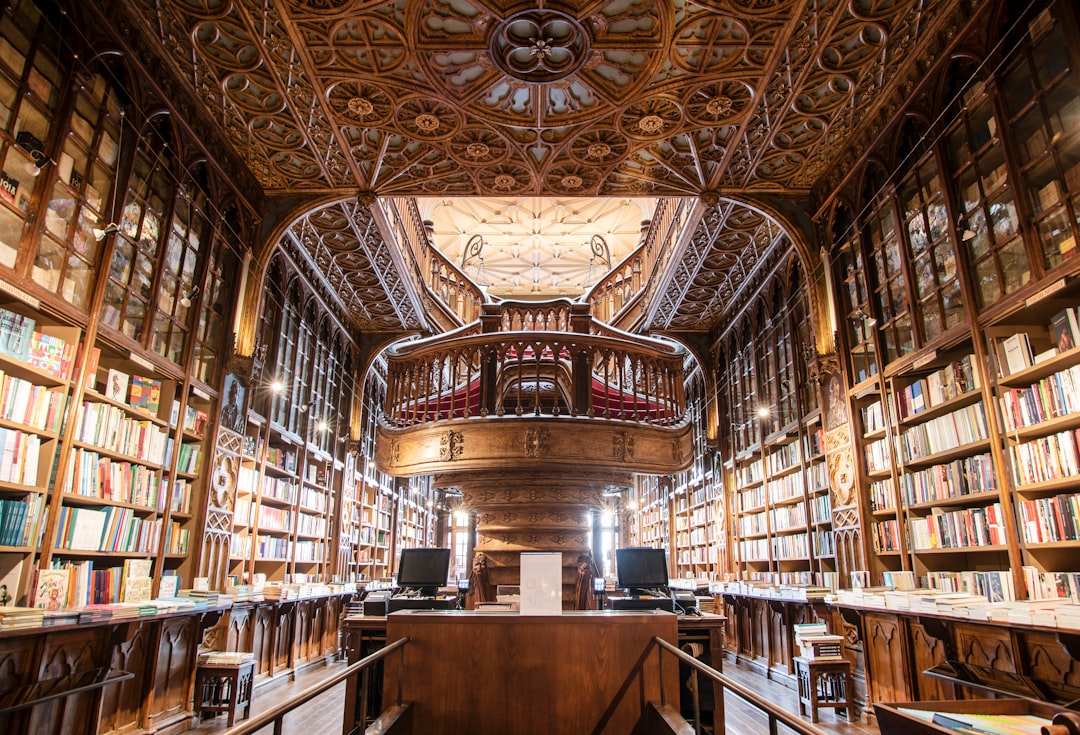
(458, 295)
(616, 294)
(548, 370)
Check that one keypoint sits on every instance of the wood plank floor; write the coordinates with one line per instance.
(322, 716)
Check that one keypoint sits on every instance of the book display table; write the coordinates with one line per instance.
(825, 683)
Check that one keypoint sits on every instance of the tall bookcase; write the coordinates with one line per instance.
(37, 364)
(774, 458)
(957, 289)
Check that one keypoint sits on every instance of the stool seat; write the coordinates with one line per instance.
(224, 687)
(825, 683)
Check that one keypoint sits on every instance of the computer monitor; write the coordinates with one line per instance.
(423, 570)
(641, 568)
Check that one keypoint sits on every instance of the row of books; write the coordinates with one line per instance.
(309, 525)
(788, 517)
(20, 341)
(19, 453)
(961, 427)
(873, 417)
(1047, 520)
(940, 386)
(885, 535)
(1046, 458)
(187, 460)
(794, 546)
(112, 529)
(18, 520)
(176, 539)
(1014, 353)
(753, 524)
(965, 476)
(967, 527)
(95, 476)
(111, 429)
(34, 405)
(881, 495)
(1052, 397)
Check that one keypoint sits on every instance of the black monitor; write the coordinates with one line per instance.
(642, 568)
(423, 570)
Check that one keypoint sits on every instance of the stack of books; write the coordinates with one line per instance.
(20, 617)
(225, 658)
(815, 643)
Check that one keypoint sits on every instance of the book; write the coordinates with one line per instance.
(170, 583)
(1016, 350)
(137, 589)
(116, 383)
(145, 393)
(1063, 330)
(51, 590)
(16, 331)
(137, 567)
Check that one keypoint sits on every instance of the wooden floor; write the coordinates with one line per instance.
(322, 716)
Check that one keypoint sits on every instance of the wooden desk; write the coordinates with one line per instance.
(581, 671)
(366, 634)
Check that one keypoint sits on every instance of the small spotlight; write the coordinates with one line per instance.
(185, 300)
(109, 229)
(763, 412)
(322, 426)
(277, 386)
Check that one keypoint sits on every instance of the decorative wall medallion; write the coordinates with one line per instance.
(539, 45)
(537, 442)
(224, 481)
(622, 446)
(450, 446)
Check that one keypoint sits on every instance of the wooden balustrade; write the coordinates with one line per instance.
(546, 371)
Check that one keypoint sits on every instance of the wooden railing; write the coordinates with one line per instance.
(275, 714)
(617, 292)
(459, 297)
(774, 713)
(564, 365)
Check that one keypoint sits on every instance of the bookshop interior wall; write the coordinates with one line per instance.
(882, 328)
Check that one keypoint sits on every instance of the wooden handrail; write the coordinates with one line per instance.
(274, 715)
(774, 713)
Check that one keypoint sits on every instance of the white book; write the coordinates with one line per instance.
(1017, 351)
(88, 525)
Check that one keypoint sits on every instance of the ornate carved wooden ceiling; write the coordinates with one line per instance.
(732, 98)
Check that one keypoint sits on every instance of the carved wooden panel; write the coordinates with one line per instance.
(778, 637)
(759, 629)
(985, 645)
(1045, 658)
(262, 639)
(133, 651)
(63, 654)
(241, 628)
(175, 666)
(886, 647)
(302, 631)
(284, 616)
(928, 648)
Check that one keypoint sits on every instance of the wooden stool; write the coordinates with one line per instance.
(224, 688)
(827, 683)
